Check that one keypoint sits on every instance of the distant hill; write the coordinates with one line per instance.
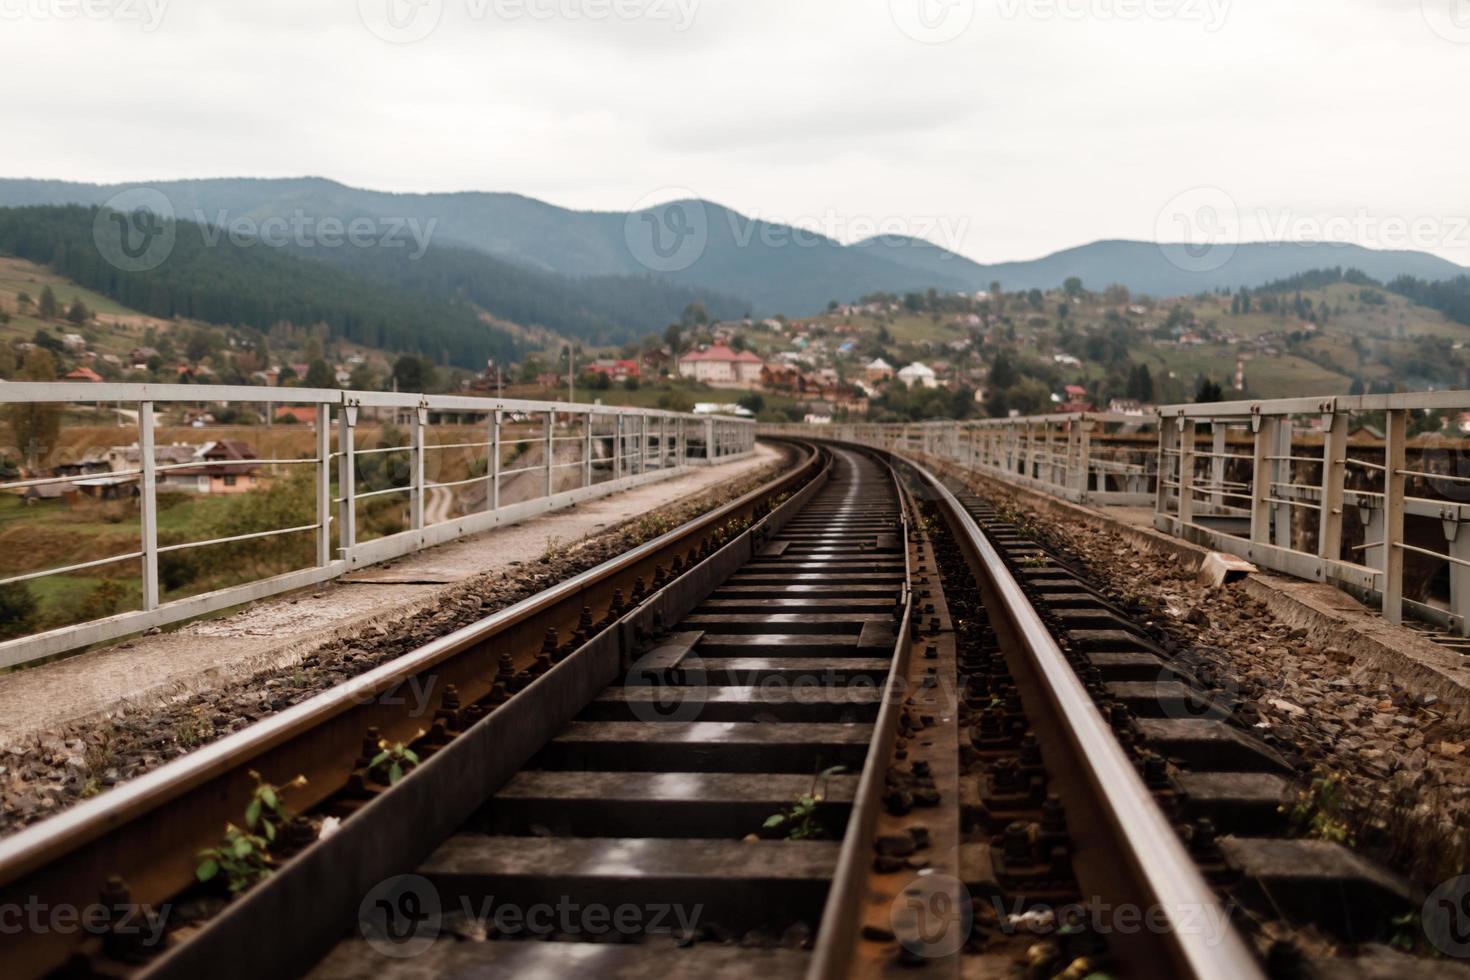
(225, 282)
(734, 261)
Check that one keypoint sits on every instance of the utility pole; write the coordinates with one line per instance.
(571, 393)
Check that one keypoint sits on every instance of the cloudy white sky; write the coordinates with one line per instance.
(1002, 128)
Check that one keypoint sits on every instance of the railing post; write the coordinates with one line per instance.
(1217, 464)
(493, 470)
(642, 444)
(587, 449)
(1458, 546)
(550, 452)
(148, 505)
(1395, 456)
(1186, 473)
(1334, 473)
(346, 481)
(617, 446)
(323, 485)
(709, 440)
(416, 473)
(1282, 471)
(1261, 470)
(1084, 456)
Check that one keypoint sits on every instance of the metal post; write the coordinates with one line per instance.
(1084, 456)
(1334, 473)
(1186, 473)
(709, 440)
(618, 446)
(494, 468)
(346, 480)
(1261, 470)
(551, 449)
(1217, 465)
(1393, 517)
(1458, 546)
(587, 449)
(416, 472)
(1282, 469)
(643, 444)
(148, 505)
(323, 485)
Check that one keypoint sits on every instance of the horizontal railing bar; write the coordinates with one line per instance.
(72, 568)
(238, 537)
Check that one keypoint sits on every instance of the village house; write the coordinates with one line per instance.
(878, 371)
(617, 370)
(221, 467)
(721, 365)
(919, 374)
(84, 374)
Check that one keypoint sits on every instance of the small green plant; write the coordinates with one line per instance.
(244, 859)
(553, 548)
(266, 812)
(1034, 561)
(800, 819)
(1317, 812)
(1407, 931)
(395, 761)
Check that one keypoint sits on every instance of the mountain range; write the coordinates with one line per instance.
(609, 275)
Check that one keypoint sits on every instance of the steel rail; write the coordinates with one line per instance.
(1126, 850)
(149, 830)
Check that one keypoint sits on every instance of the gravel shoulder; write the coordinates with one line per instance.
(72, 729)
(1397, 760)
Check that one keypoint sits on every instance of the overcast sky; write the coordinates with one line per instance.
(1002, 128)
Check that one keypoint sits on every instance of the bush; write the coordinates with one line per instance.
(17, 610)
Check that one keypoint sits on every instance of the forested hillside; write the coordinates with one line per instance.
(215, 280)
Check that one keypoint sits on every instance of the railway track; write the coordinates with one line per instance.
(822, 732)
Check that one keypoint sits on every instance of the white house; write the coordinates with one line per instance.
(917, 373)
(720, 364)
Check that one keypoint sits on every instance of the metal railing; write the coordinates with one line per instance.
(511, 460)
(1328, 489)
(1096, 457)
